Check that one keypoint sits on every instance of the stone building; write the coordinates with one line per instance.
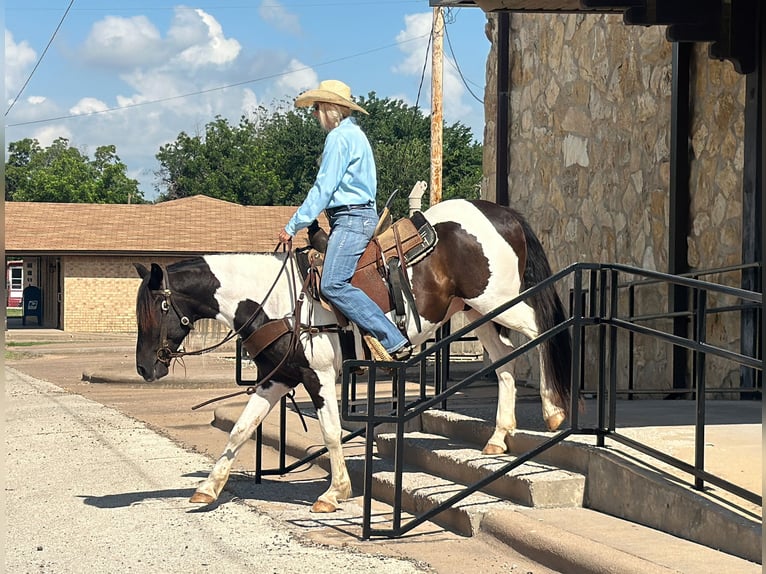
(589, 162)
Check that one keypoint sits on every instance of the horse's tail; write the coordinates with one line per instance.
(549, 312)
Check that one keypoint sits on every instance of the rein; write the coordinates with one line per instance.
(166, 355)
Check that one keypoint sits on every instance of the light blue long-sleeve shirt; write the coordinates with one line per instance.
(347, 175)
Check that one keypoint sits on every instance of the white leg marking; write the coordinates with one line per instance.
(521, 318)
(259, 405)
(329, 422)
(505, 418)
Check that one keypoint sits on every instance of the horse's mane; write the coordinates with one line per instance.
(145, 315)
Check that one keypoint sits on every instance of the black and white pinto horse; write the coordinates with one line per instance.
(485, 256)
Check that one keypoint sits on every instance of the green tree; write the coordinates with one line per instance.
(227, 162)
(274, 160)
(62, 174)
(401, 138)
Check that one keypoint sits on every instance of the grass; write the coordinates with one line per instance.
(18, 355)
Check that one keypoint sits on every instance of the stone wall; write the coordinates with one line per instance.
(589, 159)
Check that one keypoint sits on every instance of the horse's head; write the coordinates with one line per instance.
(161, 327)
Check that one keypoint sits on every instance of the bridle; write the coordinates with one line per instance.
(165, 353)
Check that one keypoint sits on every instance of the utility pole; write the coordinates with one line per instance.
(437, 114)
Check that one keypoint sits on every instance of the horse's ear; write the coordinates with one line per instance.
(155, 281)
(142, 271)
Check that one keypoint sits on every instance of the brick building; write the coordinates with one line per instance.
(81, 256)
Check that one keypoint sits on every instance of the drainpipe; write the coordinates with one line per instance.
(503, 100)
(679, 202)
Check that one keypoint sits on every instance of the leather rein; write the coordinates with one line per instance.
(166, 355)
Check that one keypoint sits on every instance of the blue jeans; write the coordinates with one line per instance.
(350, 232)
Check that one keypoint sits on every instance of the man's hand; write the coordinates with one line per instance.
(284, 237)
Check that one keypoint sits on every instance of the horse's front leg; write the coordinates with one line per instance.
(329, 422)
(260, 404)
(505, 418)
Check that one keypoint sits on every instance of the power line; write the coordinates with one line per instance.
(425, 63)
(217, 88)
(457, 67)
(40, 59)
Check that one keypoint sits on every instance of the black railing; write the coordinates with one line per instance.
(750, 383)
(600, 283)
(596, 297)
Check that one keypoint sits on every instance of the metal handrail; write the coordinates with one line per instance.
(605, 319)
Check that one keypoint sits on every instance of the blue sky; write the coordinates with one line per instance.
(173, 59)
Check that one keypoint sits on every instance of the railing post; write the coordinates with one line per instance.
(602, 392)
(368, 452)
(282, 433)
(631, 341)
(576, 346)
(699, 435)
(259, 454)
(401, 379)
(613, 311)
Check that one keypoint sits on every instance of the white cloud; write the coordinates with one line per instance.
(118, 42)
(414, 43)
(19, 59)
(215, 49)
(88, 106)
(47, 134)
(299, 79)
(275, 13)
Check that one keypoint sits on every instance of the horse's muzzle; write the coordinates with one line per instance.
(156, 371)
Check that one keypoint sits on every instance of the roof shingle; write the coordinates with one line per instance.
(191, 225)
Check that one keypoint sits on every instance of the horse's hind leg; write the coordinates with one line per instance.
(329, 422)
(259, 405)
(505, 418)
(521, 318)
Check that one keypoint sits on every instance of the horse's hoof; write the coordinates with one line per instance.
(493, 449)
(554, 421)
(323, 507)
(201, 498)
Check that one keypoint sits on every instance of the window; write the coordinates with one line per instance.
(17, 277)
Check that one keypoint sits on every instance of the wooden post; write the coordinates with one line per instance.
(437, 57)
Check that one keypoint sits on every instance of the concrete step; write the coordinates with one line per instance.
(422, 491)
(623, 483)
(578, 540)
(531, 484)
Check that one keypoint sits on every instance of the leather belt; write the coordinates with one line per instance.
(333, 211)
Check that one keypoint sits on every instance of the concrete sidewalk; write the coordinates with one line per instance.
(91, 490)
(733, 451)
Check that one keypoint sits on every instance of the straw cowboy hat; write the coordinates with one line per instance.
(329, 91)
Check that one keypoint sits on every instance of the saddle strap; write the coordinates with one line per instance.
(400, 290)
(395, 277)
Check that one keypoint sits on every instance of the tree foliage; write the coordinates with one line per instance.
(61, 173)
(274, 160)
